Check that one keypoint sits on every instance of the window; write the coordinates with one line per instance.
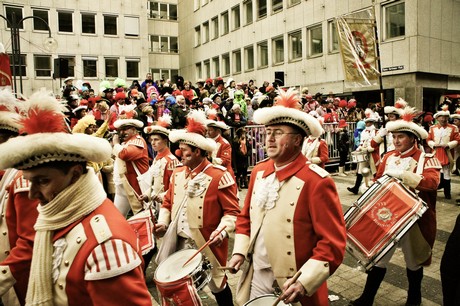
(65, 22)
(248, 12)
(38, 24)
(198, 71)
(249, 58)
(237, 61)
(205, 32)
(164, 44)
(294, 2)
(197, 36)
(162, 10)
(132, 26)
(261, 8)
(395, 23)
(88, 23)
(333, 38)
(71, 63)
(225, 25)
(207, 68)
(42, 65)
(89, 67)
(226, 63)
(277, 6)
(236, 17)
(110, 25)
(295, 45)
(262, 54)
(20, 65)
(315, 37)
(278, 50)
(132, 68)
(215, 27)
(18, 15)
(215, 64)
(111, 67)
(164, 74)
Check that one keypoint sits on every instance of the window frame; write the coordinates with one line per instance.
(86, 14)
(295, 34)
(134, 30)
(39, 22)
(225, 22)
(197, 36)
(262, 53)
(60, 31)
(236, 61)
(311, 52)
(9, 15)
(276, 60)
(236, 17)
(333, 37)
(71, 64)
(226, 64)
(385, 9)
(249, 57)
(215, 27)
(216, 65)
(108, 63)
(47, 70)
(277, 7)
(248, 5)
(261, 13)
(22, 67)
(205, 36)
(86, 67)
(137, 61)
(105, 17)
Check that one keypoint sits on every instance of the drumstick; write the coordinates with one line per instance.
(228, 268)
(203, 246)
(294, 279)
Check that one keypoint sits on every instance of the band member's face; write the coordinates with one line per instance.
(158, 143)
(213, 132)
(403, 141)
(392, 117)
(48, 182)
(457, 122)
(126, 132)
(442, 120)
(282, 143)
(190, 157)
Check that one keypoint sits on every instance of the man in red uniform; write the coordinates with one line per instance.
(418, 171)
(315, 150)
(84, 251)
(292, 219)
(131, 160)
(222, 155)
(203, 198)
(443, 137)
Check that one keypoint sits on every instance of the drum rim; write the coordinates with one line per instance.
(191, 251)
(262, 296)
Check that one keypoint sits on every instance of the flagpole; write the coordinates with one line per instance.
(382, 98)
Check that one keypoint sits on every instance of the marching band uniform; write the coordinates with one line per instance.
(84, 251)
(204, 200)
(292, 219)
(316, 151)
(448, 136)
(131, 160)
(418, 171)
(223, 154)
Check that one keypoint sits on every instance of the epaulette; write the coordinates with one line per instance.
(173, 164)
(318, 170)
(225, 141)
(226, 180)
(263, 160)
(138, 142)
(429, 155)
(21, 185)
(110, 259)
(100, 228)
(432, 163)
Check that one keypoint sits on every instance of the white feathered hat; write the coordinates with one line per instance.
(9, 111)
(161, 127)
(213, 122)
(397, 109)
(443, 112)
(126, 117)
(405, 124)
(286, 110)
(194, 132)
(456, 115)
(48, 138)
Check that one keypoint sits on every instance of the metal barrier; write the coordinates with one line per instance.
(256, 135)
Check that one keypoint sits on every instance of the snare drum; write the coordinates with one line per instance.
(359, 157)
(380, 218)
(264, 300)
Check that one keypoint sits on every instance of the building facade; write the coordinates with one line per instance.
(297, 39)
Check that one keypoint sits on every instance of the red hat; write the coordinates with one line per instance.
(428, 118)
(83, 102)
(343, 103)
(342, 123)
(120, 96)
(209, 80)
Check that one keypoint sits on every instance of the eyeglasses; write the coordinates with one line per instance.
(276, 133)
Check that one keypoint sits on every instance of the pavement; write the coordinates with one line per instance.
(348, 281)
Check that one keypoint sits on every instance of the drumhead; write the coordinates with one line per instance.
(171, 269)
(264, 300)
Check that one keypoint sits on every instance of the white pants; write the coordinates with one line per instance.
(262, 283)
(445, 170)
(121, 200)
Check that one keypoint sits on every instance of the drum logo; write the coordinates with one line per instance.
(382, 215)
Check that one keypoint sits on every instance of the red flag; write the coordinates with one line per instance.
(5, 71)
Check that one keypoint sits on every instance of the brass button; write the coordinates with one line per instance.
(289, 253)
(288, 236)
(291, 203)
(298, 188)
(61, 286)
(200, 207)
(7, 252)
(201, 197)
(326, 264)
(292, 269)
(4, 233)
(78, 240)
(66, 263)
(4, 271)
(288, 220)
(96, 219)
(199, 217)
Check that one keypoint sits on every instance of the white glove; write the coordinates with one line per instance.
(394, 173)
(383, 132)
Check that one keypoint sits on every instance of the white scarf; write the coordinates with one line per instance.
(70, 205)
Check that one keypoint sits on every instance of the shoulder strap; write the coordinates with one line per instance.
(136, 169)
(421, 163)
